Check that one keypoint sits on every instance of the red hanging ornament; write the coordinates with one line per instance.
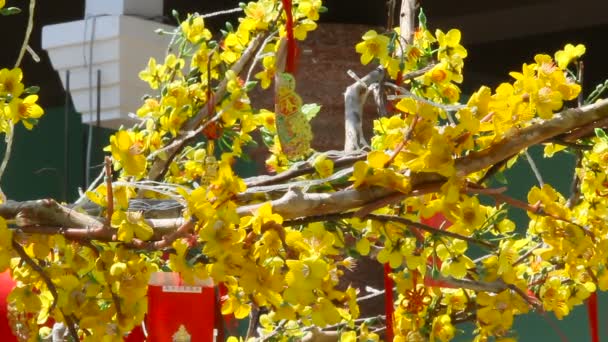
(290, 63)
(389, 306)
(593, 317)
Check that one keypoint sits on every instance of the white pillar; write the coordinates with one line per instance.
(118, 39)
(142, 8)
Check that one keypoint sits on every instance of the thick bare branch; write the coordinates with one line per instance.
(295, 203)
(407, 19)
(354, 100)
(518, 140)
(47, 212)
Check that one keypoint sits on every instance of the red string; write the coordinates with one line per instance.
(593, 319)
(219, 318)
(290, 64)
(389, 308)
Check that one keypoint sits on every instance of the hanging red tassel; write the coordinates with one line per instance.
(290, 63)
(593, 317)
(389, 306)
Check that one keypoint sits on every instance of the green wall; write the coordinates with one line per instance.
(36, 168)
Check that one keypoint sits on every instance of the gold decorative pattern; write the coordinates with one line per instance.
(181, 335)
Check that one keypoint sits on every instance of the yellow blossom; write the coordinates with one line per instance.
(374, 45)
(131, 225)
(127, 150)
(194, 29)
(10, 82)
(25, 110)
(568, 54)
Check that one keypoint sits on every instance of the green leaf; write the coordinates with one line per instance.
(434, 272)
(10, 11)
(322, 9)
(229, 27)
(310, 110)
(601, 134)
(268, 139)
(250, 85)
(422, 19)
(32, 90)
(391, 43)
(500, 178)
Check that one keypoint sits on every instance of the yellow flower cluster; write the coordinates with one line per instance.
(290, 268)
(88, 282)
(16, 102)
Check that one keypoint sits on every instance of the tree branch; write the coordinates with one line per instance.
(518, 140)
(159, 166)
(354, 100)
(47, 212)
(38, 269)
(407, 20)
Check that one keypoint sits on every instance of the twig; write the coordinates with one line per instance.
(379, 330)
(109, 190)
(28, 33)
(476, 188)
(358, 320)
(71, 323)
(371, 295)
(259, 54)
(38, 269)
(254, 317)
(524, 256)
(535, 304)
(275, 332)
(389, 218)
(305, 184)
(398, 196)
(537, 174)
(411, 224)
(10, 135)
(536, 209)
(581, 94)
(408, 94)
(575, 186)
(316, 335)
(168, 239)
(83, 197)
(494, 169)
(303, 168)
(223, 12)
(116, 301)
(417, 73)
(402, 143)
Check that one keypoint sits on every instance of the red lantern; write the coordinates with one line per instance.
(6, 286)
(179, 312)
